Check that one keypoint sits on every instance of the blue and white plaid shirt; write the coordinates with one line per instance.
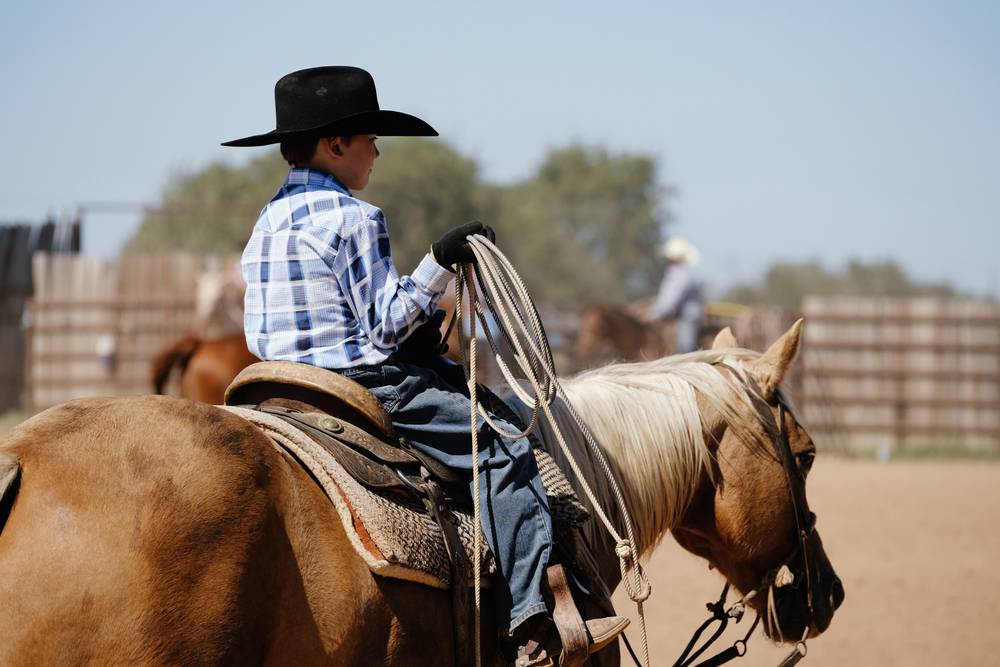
(321, 285)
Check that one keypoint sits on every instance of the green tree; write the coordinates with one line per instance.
(586, 227)
(786, 283)
(211, 210)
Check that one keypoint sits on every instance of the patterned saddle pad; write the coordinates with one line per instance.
(397, 538)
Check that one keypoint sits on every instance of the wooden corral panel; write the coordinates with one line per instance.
(157, 301)
(73, 311)
(96, 325)
(903, 373)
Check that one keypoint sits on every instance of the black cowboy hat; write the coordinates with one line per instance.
(332, 101)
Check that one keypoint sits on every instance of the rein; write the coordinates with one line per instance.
(780, 576)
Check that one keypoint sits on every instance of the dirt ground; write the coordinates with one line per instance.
(915, 544)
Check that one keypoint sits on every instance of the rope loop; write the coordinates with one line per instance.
(502, 292)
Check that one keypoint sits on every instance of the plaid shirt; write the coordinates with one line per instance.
(321, 285)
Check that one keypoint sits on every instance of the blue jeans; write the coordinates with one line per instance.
(688, 331)
(429, 406)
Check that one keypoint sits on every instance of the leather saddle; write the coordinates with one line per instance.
(348, 421)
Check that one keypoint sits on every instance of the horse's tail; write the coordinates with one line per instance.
(177, 354)
(10, 475)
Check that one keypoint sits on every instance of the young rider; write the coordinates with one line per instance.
(322, 289)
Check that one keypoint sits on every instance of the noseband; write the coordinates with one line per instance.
(781, 575)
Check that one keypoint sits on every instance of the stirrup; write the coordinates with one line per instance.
(601, 632)
(578, 639)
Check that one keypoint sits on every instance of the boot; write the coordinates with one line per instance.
(543, 648)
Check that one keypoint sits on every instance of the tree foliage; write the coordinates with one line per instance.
(211, 210)
(786, 283)
(586, 228)
(583, 229)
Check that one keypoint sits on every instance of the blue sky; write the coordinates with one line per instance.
(791, 130)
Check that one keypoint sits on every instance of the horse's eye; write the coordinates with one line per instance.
(806, 460)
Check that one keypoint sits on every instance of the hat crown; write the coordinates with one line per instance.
(316, 96)
(331, 101)
(680, 249)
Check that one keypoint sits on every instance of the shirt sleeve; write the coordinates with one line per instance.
(388, 306)
(674, 287)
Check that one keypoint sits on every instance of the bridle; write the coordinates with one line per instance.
(781, 575)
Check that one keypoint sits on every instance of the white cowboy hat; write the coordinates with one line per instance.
(680, 250)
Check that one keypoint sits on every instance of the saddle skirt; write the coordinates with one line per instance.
(394, 535)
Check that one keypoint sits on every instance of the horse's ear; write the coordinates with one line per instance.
(724, 339)
(770, 369)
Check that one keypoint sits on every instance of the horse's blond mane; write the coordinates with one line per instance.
(646, 419)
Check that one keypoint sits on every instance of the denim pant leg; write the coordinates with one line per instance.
(687, 334)
(434, 416)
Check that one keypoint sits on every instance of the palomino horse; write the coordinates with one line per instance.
(207, 366)
(156, 530)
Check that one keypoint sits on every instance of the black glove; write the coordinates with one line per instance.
(454, 249)
(424, 342)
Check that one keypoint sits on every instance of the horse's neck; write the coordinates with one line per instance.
(654, 468)
(597, 535)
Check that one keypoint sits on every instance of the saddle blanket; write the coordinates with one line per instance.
(396, 537)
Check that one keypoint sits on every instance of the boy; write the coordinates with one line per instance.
(322, 289)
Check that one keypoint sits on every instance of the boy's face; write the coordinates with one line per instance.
(354, 165)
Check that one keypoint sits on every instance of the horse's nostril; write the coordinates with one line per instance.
(836, 593)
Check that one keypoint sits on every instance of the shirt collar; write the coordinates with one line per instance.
(312, 179)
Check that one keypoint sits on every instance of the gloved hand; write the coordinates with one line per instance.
(424, 342)
(453, 249)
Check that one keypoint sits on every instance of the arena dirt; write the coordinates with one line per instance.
(917, 546)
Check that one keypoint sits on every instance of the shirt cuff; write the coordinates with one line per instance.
(432, 276)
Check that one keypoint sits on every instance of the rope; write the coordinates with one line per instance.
(504, 295)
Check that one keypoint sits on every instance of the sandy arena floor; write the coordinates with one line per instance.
(916, 545)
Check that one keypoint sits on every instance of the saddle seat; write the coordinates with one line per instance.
(348, 421)
(327, 391)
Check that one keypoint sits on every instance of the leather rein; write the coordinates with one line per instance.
(780, 575)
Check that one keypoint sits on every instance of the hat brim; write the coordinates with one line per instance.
(384, 123)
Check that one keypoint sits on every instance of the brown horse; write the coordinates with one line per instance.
(610, 333)
(156, 530)
(207, 366)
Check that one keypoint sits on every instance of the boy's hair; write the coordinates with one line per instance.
(299, 151)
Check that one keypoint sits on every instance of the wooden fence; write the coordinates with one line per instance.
(902, 374)
(874, 373)
(96, 325)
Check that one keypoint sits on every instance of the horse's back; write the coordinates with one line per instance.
(134, 524)
(156, 530)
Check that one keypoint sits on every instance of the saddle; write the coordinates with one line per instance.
(347, 420)
(349, 425)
